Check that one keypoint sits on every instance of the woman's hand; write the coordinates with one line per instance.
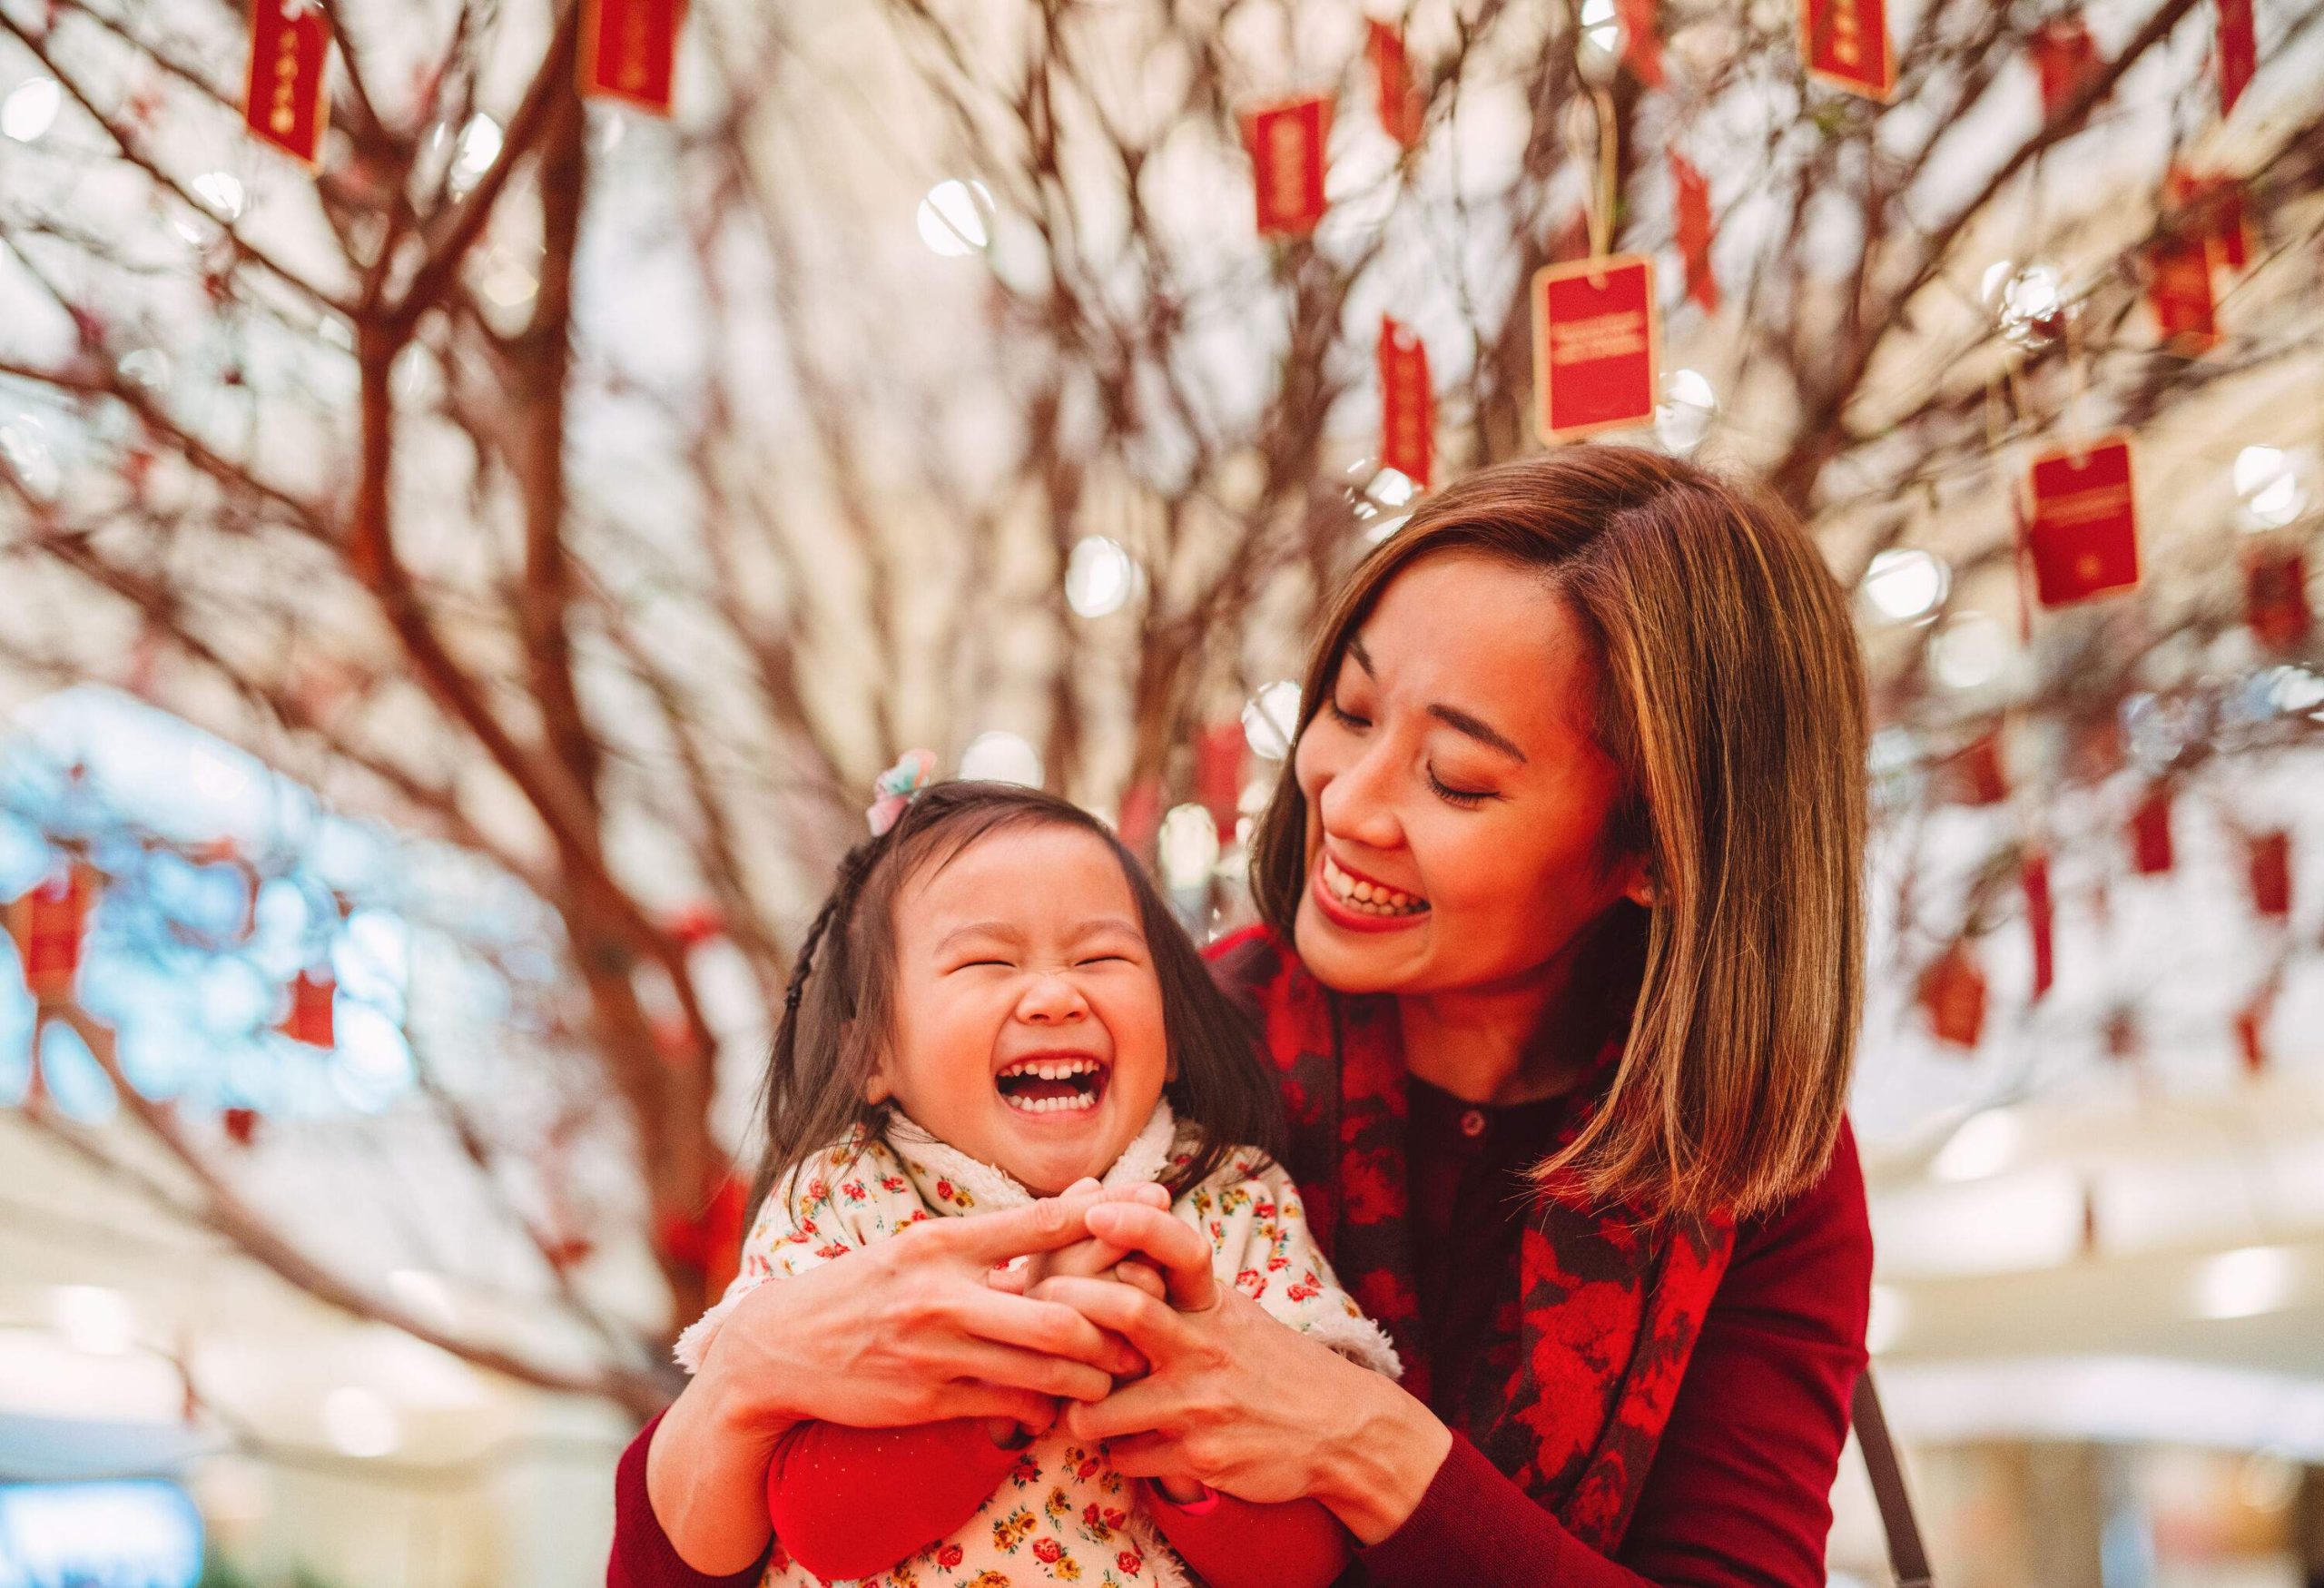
(1236, 1400)
(904, 1331)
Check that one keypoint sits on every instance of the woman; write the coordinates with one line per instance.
(1561, 963)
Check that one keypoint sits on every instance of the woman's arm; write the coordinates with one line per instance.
(906, 1331)
(1740, 1486)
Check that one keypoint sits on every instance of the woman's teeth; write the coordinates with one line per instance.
(1369, 898)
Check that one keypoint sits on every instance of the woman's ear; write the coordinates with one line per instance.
(1638, 883)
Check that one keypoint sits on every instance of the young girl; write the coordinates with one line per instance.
(994, 1005)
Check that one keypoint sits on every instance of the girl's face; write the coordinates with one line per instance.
(1029, 1030)
(1455, 793)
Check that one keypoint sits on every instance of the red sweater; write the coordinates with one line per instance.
(1738, 1495)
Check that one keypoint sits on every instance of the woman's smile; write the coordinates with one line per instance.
(1355, 903)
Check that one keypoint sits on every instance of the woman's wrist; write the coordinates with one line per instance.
(1373, 1475)
(706, 1471)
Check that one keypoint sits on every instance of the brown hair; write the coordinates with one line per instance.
(839, 1011)
(1730, 696)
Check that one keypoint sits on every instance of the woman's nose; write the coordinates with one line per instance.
(1052, 1001)
(1355, 806)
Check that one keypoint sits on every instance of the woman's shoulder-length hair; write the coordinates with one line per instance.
(1730, 694)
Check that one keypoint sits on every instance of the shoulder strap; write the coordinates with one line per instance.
(1906, 1557)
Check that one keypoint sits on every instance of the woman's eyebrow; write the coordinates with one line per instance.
(1355, 648)
(1455, 718)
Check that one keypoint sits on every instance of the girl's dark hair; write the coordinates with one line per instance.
(839, 1008)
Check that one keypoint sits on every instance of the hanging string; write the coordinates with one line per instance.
(1601, 213)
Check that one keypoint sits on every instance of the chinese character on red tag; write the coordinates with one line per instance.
(1400, 104)
(1846, 44)
(284, 100)
(629, 51)
(2082, 533)
(1595, 335)
(1287, 157)
(1407, 404)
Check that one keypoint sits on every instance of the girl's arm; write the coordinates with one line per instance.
(1235, 1544)
(853, 1502)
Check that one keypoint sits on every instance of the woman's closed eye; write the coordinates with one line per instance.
(1344, 717)
(1468, 799)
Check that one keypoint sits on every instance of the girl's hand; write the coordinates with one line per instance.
(904, 1331)
(1236, 1400)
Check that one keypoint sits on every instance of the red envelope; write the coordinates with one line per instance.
(1286, 142)
(1846, 44)
(629, 51)
(2274, 591)
(1398, 104)
(2151, 832)
(1641, 45)
(1952, 995)
(2271, 873)
(1596, 336)
(2083, 532)
(284, 100)
(2063, 55)
(1407, 404)
(1694, 227)
(2040, 917)
(2239, 52)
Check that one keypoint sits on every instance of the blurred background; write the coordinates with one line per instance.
(484, 485)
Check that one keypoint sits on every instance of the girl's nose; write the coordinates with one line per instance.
(1052, 1001)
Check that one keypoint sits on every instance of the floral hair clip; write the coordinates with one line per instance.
(897, 786)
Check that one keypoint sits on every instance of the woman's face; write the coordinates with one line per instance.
(1455, 793)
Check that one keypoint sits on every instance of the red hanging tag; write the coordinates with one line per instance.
(1596, 332)
(1846, 44)
(1952, 996)
(1641, 45)
(2212, 206)
(310, 1020)
(2179, 286)
(2251, 1033)
(1975, 772)
(282, 99)
(1694, 225)
(2040, 917)
(240, 1125)
(1286, 142)
(629, 51)
(2063, 56)
(51, 926)
(2275, 596)
(1407, 404)
(1400, 104)
(2271, 873)
(1218, 774)
(2084, 533)
(2150, 854)
(2239, 52)
(1142, 815)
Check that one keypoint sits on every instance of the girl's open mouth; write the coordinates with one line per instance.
(1054, 1083)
